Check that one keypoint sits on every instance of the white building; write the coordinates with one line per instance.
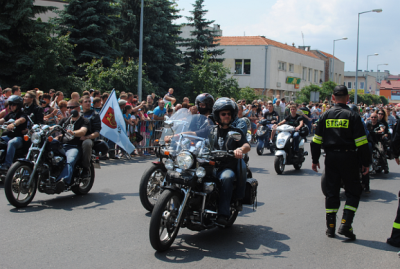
(366, 83)
(270, 67)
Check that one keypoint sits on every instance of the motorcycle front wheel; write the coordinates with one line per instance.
(260, 148)
(86, 184)
(163, 230)
(279, 165)
(16, 188)
(150, 185)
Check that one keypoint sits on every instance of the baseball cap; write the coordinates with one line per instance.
(340, 90)
(122, 102)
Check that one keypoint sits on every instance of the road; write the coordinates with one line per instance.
(108, 228)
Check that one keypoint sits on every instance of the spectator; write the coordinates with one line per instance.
(122, 104)
(150, 102)
(2, 100)
(97, 104)
(130, 99)
(59, 96)
(75, 96)
(185, 105)
(104, 98)
(185, 100)
(7, 93)
(193, 110)
(278, 109)
(16, 90)
(123, 96)
(39, 96)
(159, 111)
(63, 112)
(49, 113)
(51, 93)
(169, 113)
(155, 100)
(177, 107)
(86, 93)
(283, 106)
(169, 98)
(253, 117)
(5, 111)
(275, 99)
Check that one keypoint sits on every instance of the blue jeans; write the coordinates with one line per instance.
(296, 141)
(227, 178)
(72, 152)
(12, 145)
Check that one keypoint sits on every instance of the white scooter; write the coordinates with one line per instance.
(284, 149)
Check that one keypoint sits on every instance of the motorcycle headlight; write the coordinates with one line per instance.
(169, 164)
(261, 132)
(200, 172)
(185, 160)
(280, 143)
(208, 187)
(36, 137)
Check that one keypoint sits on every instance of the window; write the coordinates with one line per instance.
(348, 85)
(304, 73)
(242, 67)
(291, 68)
(320, 77)
(361, 85)
(309, 74)
(282, 66)
(354, 85)
(315, 76)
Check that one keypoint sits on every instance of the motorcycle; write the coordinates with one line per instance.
(191, 197)
(263, 135)
(284, 149)
(43, 164)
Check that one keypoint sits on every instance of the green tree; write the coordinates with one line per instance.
(249, 95)
(327, 89)
(91, 26)
(17, 26)
(211, 77)
(202, 37)
(305, 93)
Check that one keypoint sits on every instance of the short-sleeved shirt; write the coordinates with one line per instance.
(293, 121)
(76, 125)
(158, 112)
(271, 115)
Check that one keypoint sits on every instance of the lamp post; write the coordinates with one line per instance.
(358, 30)
(377, 73)
(140, 54)
(333, 60)
(366, 77)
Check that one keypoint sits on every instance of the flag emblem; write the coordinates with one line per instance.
(109, 118)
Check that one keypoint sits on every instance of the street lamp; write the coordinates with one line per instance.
(140, 54)
(333, 60)
(377, 72)
(358, 30)
(366, 77)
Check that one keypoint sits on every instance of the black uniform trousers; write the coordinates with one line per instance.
(396, 226)
(341, 166)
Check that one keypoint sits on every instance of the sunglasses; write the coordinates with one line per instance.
(381, 114)
(373, 117)
(71, 107)
(225, 114)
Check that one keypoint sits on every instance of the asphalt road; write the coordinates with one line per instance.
(108, 228)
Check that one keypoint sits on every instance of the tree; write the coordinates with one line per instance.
(203, 37)
(91, 26)
(305, 93)
(17, 26)
(249, 95)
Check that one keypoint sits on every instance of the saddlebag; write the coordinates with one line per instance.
(251, 191)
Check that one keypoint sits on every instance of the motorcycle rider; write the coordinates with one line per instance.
(31, 106)
(204, 103)
(76, 126)
(92, 134)
(272, 116)
(296, 121)
(15, 130)
(224, 113)
(376, 130)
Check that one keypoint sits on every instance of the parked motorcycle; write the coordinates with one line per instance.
(191, 197)
(263, 135)
(284, 149)
(43, 164)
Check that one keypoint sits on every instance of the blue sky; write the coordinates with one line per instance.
(321, 21)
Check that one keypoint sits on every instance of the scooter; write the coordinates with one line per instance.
(263, 135)
(284, 149)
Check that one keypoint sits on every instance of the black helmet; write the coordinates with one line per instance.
(15, 100)
(224, 104)
(354, 108)
(207, 99)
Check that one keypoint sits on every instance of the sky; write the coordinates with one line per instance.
(320, 21)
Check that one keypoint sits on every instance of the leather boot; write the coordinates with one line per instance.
(330, 224)
(345, 227)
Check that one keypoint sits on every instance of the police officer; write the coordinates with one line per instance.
(342, 134)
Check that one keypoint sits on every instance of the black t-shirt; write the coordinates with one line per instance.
(21, 127)
(220, 143)
(384, 123)
(293, 121)
(306, 112)
(76, 125)
(271, 115)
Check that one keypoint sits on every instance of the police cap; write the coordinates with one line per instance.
(340, 90)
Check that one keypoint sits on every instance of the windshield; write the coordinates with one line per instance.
(185, 131)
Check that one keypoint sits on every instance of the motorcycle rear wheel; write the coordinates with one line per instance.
(86, 185)
(260, 148)
(279, 165)
(15, 184)
(162, 230)
(150, 185)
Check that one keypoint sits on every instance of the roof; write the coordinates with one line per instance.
(328, 55)
(258, 41)
(390, 85)
(393, 77)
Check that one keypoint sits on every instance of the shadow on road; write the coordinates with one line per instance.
(304, 172)
(238, 242)
(383, 176)
(375, 244)
(259, 170)
(70, 202)
(379, 196)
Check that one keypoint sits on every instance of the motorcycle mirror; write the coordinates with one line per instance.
(168, 124)
(235, 135)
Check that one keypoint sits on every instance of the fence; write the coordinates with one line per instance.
(144, 134)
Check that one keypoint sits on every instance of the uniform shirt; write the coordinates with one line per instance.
(293, 121)
(340, 128)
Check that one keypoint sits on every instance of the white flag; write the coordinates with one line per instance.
(113, 124)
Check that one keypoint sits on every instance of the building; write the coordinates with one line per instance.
(378, 75)
(366, 83)
(270, 67)
(54, 3)
(393, 77)
(391, 90)
(331, 62)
